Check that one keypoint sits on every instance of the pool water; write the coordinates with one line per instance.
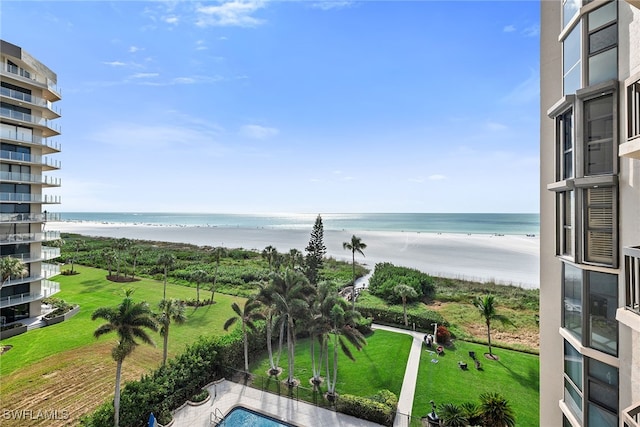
(243, 417)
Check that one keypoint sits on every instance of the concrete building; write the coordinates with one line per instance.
(27, 95)
(590, 213)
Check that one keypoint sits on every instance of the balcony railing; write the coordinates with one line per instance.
(47, 253)
(632, 277)
(29, 217)
(28, 198)
(31, 99)
(52, 146)
(28, 118)
(29, 158)
(32, 78)
(30, 178)
(29, 237)
(631, 416)
(50, 270)
(48, 288)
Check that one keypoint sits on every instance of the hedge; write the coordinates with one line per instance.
(394, 316)
(380, 409)
(387, 276)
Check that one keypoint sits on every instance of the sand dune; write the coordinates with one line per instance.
(504, 259)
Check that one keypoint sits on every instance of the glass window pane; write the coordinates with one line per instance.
(605, 373)
(573, 364)
(603, 302)
(604, 38)
(569, 9)
(573, 299)
(572, 81)
(571, 49)
(573, 399)
(602, 16)
(603, 66)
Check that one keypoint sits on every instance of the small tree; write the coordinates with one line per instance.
(316, 251)
(121, 246)
(355, 245)
(10, 266)
(199, 276)
(270, 254)
(135, 252)
(77, 245)
(218, 253)
(109, 257)
(166, 260)
(404, 292)
(452, 415)
(496, 411)
(247, 316)
(487, 309)
(171, 310)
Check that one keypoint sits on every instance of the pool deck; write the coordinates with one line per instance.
(226, 395)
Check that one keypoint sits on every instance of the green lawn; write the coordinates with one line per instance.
(515, 376)
(379, 365)
(91, 290)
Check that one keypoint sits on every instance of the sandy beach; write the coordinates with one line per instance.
(507, 259)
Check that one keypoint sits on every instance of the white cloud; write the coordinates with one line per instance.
(332, 4)
(509, 29)
(418, 179)
(144, 75)
(232, 13)
(171, 19)
(532, 31)
(494, 126)
(200, 45)
(437, 177)
(134, 49)
(114, 63)
(258, 132)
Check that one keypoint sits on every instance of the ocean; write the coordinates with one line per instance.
(467, 223)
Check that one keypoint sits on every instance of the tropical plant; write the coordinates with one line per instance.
(121, 246)
(129, 321)
(316, 251)
(218, 253)
(294, 259)
(171, 310)
(496, 411)
(341, 320)
(247, 316)
(487, 308)
(135, 252)
(10, 266)
(404, 292)
(109, 257)
(471, 411)
(166, 260)
(319, 326)
(355, 245)
(291, 292)
(273, 320)
(77, 245)
(452, 415)
(199, 276)
(270, 254)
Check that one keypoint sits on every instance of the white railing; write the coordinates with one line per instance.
(26, 75)
(28, 138)
(50, 270)
(631, 416)
(29, 217)
(45, 254)
(48, 288)
(29, 158)
(27, 177)
(32, 99)
(29, 237)
(29, 198)
(24, 117)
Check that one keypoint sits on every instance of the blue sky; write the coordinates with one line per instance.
(291, 106)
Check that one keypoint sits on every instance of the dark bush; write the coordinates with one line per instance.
(12, 326)
(393, 316)
(367, 409)
(387, 276)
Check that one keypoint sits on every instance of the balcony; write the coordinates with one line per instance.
(52, 93)
(28, 178)
(22, 138)
(50, 111)
(631, 416)
(47, 253)
(48, 288)
(29, 159)
(6, 239)
(630, 149)
(629, 315)
(29, 217)
(29, 198)
(48, 129)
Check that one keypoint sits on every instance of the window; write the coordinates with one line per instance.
(603, 394)
(573, 368)
(572, 285)
(565, 142)
(603, 44)
(599, 153)
(633, 110)
(571, 61)
(566, 213)
(603, 303)
(599, 225)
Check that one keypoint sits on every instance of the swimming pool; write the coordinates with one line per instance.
(243, 417)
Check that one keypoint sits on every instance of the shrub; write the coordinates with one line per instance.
(367, 409)
(12, 326)
(442, 334)
(364, 325)
(394, 316)
(386, 276)
(200, 397)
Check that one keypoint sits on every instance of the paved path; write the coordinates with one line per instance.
(407, 393)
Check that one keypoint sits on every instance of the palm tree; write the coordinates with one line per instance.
(217, 254)
(341, 320)
(472, 412)
(120, 245)
(10, 266)
(404, 292)
(77, 245)
(129, 321)
(270, 254)
(496, 411)
(295, 259)
(247, 316)
(453, 415)
(199, 276)
(166, 260)
(171, 310)
(135, 252)
(355, 245)
(319, 326)
(109, 257)
(291, 292)
(273, 320)
(487, 309)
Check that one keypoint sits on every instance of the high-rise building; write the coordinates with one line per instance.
(27, 95)
(590, 213)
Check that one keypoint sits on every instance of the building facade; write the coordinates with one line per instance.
(590, 213)
(28, 94)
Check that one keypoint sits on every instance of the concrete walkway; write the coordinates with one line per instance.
(407, 393)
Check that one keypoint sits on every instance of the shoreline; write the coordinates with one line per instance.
(504, 259)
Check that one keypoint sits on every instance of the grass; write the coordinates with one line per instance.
(515, 376)
(379, 365)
